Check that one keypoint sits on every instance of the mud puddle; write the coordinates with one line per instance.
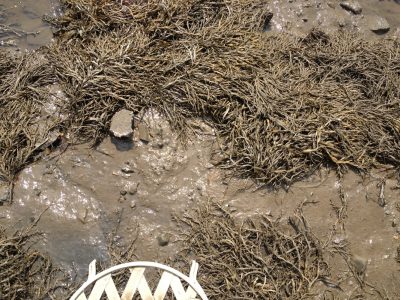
(21, 23)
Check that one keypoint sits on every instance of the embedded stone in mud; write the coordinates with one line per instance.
(378, 24)
(121, 124)
(352, 6)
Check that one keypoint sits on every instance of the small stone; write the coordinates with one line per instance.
(123, 192)
(144, 134)
(378, 24)
(131, 188)
(82, 215)
(127, 169)
(163, 239)
(352, 6)
(133, 204)
(121, 124)
(360, 264)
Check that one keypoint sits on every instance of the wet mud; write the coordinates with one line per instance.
(132, 190)
(21, 23)
(86, 197)
(299, 17)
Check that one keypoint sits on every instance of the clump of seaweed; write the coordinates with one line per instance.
(255, 259)
(26, 273)
(23, 92)
(281, 105)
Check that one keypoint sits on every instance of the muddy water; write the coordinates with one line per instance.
(25, 28)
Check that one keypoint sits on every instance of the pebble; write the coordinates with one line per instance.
(163, 239)
(127, 169)
(133, 204)
(122, 192)
(121, 124)
(378, 24)
(131, 188)
(352, 6)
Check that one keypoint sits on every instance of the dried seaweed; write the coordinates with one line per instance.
(256, 259)
(281, 105)
(26, 273)
(23, 91)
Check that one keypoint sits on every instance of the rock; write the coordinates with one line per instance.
(122, 192)
(163, 239)
(378, 24)
(131, 188)
(4, 193)
(121, 124)
(133, 204)
(144, 134)
(127, 169)
(352, 6)
(360, 264)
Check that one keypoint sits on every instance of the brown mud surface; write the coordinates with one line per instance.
(299, 17)
(84, 197)
(87, 196)
(21, 24)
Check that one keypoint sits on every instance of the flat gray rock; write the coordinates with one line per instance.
(352, 6)
(378, 24)
(121, 124)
